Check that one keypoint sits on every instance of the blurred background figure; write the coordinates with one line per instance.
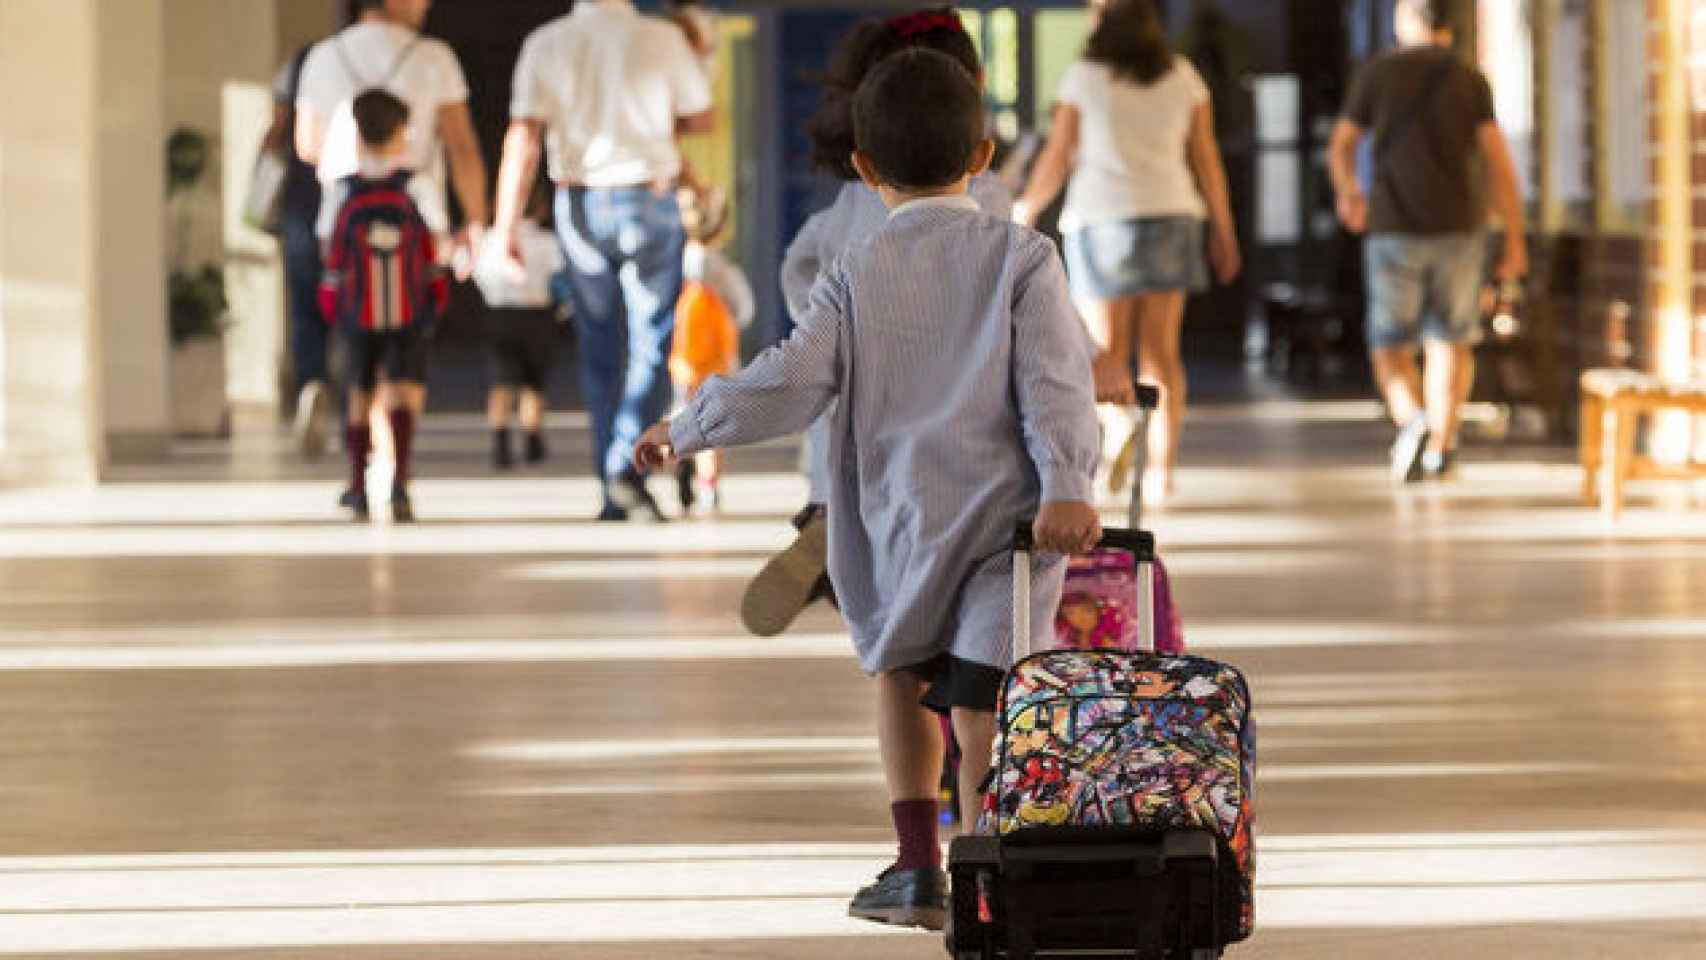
(1438, 156)
(523, 324)
(716, 304)
(607, 92)
(1135, 209)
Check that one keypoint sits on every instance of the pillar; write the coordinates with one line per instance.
(82, 318)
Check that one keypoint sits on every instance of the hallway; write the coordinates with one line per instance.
(235, 726)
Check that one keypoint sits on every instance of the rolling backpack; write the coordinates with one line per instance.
(382, 272)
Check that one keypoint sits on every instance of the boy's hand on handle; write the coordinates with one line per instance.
(1067, 526)
(655, 448)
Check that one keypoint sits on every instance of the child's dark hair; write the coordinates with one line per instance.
(1131, 40)
(865, 46)
(378, 116)
(918, 119)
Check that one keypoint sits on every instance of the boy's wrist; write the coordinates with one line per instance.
(1067, 486)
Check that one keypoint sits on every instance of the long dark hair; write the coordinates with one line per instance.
(1130, 41)
(860, 50)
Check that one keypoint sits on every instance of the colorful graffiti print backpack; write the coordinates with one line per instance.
(1094, 740)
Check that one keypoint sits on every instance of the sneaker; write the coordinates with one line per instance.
(1439, 466)
(789, 582)
(535, 452)
(310, 424)
(1407, 451)
(354, 500)
(402, 511)
(629, 495)
(503, 458)
(904, 898)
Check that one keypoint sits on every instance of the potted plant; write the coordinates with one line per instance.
(197, 309)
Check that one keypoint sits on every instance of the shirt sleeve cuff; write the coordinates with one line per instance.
(684, 433)
(1064, 485)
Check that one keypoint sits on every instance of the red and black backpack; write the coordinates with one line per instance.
(382, 272)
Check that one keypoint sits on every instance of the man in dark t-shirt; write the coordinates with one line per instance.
(1438, 159)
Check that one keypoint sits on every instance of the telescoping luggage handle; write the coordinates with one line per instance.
(1139, 543)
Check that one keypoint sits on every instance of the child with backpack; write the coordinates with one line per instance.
(961, 376)
(382, 290)
(716, 303)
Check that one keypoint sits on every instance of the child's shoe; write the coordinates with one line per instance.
(354, 499)
(904, 898)
(402, 511)
(790, 581)
(535, 452)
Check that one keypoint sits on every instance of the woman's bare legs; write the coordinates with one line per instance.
(1111, 323)
(1159, 318)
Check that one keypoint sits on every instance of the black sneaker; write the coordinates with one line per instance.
(354, 500)
(629, 495)
(1407, 451)
(402, 511)
(502, 457)
(904, 898)
(535, 452)
(789, 582)
(684, 489)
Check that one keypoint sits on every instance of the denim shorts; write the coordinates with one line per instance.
(1424, 285)
(1123, 258)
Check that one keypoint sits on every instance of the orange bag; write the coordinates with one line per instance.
(706, 340)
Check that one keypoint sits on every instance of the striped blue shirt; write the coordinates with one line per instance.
(963, 376)
(855, 214)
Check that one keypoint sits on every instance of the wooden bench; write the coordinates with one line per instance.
(1613, 402)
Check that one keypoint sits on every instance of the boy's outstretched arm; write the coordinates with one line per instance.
(1057, 409)
(781, 392)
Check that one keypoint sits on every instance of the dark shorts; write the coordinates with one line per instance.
(958, 683)
(1123, 258)
(522, 347)
(394, 356)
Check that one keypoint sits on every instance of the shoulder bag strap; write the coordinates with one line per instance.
(391, 74)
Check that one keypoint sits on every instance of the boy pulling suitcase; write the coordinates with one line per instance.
(963, 377)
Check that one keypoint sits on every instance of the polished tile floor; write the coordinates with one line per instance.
(232, 726)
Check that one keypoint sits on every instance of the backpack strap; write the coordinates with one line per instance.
(391, 74)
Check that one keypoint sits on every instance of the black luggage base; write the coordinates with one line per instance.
(1087, 893)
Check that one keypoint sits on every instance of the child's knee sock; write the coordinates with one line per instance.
(359, 440)
(403, 436)
(915, 826)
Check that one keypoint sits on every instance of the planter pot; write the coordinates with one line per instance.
(199, 407)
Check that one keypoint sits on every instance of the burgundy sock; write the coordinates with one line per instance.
(915, 825)
(403, 434)
(359, 440)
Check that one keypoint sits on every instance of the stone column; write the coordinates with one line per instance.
(82, 328)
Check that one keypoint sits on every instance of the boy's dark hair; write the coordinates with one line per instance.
(378, 116)
(918, 119)
(1437, 14)
(860, 50)
(1131, 41)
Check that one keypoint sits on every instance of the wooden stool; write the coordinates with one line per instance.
(1613, 401)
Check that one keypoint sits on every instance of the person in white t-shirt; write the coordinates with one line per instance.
(385, 49)
(607, 91)
(1134, 127)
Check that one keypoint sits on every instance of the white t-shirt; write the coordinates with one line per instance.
(541, 257)
(1131, 144)
(372, 54)
(609, 85)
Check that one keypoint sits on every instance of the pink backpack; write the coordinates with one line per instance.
(1099, 607)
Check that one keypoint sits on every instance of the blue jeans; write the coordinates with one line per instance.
(302, 269)
(623, 246)
(1424, 285)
